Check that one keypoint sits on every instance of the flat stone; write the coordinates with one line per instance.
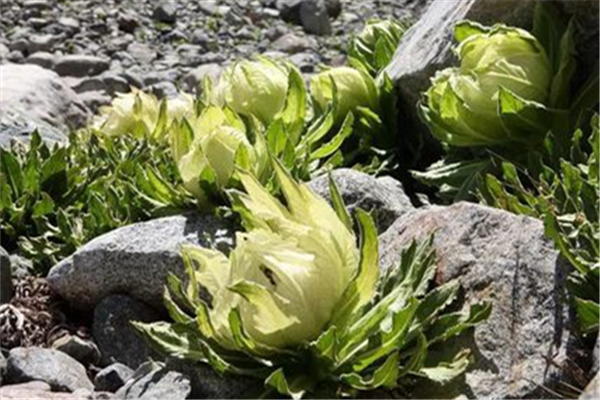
(292, 43)
(113, 377)
(40, 43)
(207, 384)
(383, 197)
(80, 65)
(60, 371)
(42, 58)
(112, 330)
(142, 53)
(34, 390)
(157, 384)
(83, 350)
(504, 259)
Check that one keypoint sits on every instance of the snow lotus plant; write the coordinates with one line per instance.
(298, 306)
(257, 88)
(208, 148)
(496, 95)
(345, 88)
(375, 45)
(142, 115)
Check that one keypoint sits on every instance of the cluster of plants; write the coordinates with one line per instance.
(519, 136)
(300, 307)
(300, 303)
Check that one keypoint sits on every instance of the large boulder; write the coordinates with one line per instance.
(32, 95)
(384, 196)
(135, 259)
(506, 260)
(426, 46)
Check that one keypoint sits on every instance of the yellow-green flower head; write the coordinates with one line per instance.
(287, 274)
(354, 88)
(461, 106)
(138, 112)
(217, 138)
(376, 29)
(256, 88)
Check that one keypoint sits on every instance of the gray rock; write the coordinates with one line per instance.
(94, 99)
(43, 59)
(113, 377)
(159, 383)
(207, 384)
(192, 81)
(292, 43)
(384, 197)
(57, 369)
(314, 17)
(127, 21)
(505, 259)
(5, 277)
(135, 259)
(164, 89)
(209, 7)
(83, 350)
(166, 12)
(40, 43)
(16, 126)
(290, 10)
(32, 96)
(20, 266)
(80, 65)
(305, 62)
(426, 47)
(592, 390)
(69, 23)
(34, 390)
(142, 53)
(15, 56)
(112, 330)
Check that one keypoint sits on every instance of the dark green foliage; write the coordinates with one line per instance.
(560, 185)
(53, 200)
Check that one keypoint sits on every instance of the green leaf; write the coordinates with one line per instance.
(523, 120)
(446, 371)
(588, 313)
(294, 112)
(362, 287)
(43, 206)
(11, 168)
(548, 28)
(449, 325)
(392, 338)
(385, 376)
(278, 381)
(560, 91)
(465, 29)
(338, 203)
(334, 144)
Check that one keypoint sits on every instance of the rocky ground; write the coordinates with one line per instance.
(62, 59)
(103, 47)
